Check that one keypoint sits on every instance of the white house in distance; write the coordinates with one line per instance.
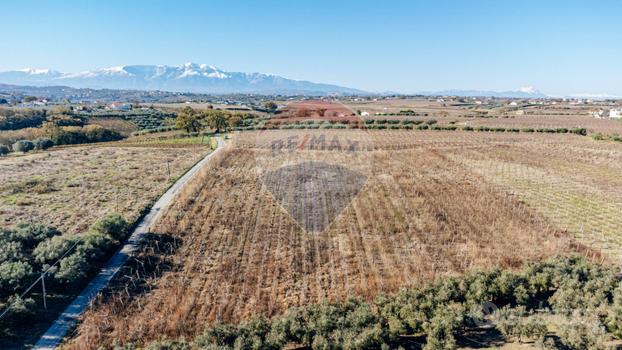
(364, 114)
(119, 106)
(608, 113)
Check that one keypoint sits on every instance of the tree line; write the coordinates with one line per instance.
(192, 121)
(585, 297)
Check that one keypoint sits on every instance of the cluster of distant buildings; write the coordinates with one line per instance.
(607, 113)
(119, 106)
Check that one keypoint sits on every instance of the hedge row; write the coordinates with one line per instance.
(607, 137)
(418, 126)
(15, 119)
(63, 136)
(586, 297)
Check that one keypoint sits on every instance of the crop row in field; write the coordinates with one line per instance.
(582, 195)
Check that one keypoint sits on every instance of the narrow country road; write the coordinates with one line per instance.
(68, 319)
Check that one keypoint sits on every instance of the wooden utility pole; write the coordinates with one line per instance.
(45, 304)
(168, 169)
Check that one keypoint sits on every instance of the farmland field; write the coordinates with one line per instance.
(413, 207)
(496, 113)
(72, 187)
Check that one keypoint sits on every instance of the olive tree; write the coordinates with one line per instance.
(23, 146)
(188, 119)
(43, 143)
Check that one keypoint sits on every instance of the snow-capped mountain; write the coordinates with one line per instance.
(189, 77)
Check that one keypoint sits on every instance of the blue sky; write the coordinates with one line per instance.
(559, 47)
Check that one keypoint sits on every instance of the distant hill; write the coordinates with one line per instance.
(524, 92)
(189, 77)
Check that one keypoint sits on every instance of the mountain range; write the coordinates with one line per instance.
(207, 79)
(189, 77)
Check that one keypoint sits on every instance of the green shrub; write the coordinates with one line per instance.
(220, 334)
(23, 146)
(579, 131)
(95, 246)
(43, 143)
(30, 234)
(517, 323)
(423, 127)
(468, 128)
(73, 269)
(4, 149)
(11, 251)
(113, 225)
(51, 249)
(527, 130)
(440, 329)
(583, 333)
(431, 122)
(14, 275)
(561, 130)
(19, 310)
(614, 315)
(599, 136)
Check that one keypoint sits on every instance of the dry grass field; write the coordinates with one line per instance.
(432, 204)
(72, 187)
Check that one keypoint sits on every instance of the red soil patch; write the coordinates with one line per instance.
(319, 110)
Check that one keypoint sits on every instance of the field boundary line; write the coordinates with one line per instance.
(68, 319)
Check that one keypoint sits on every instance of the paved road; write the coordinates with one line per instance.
(53, 337)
